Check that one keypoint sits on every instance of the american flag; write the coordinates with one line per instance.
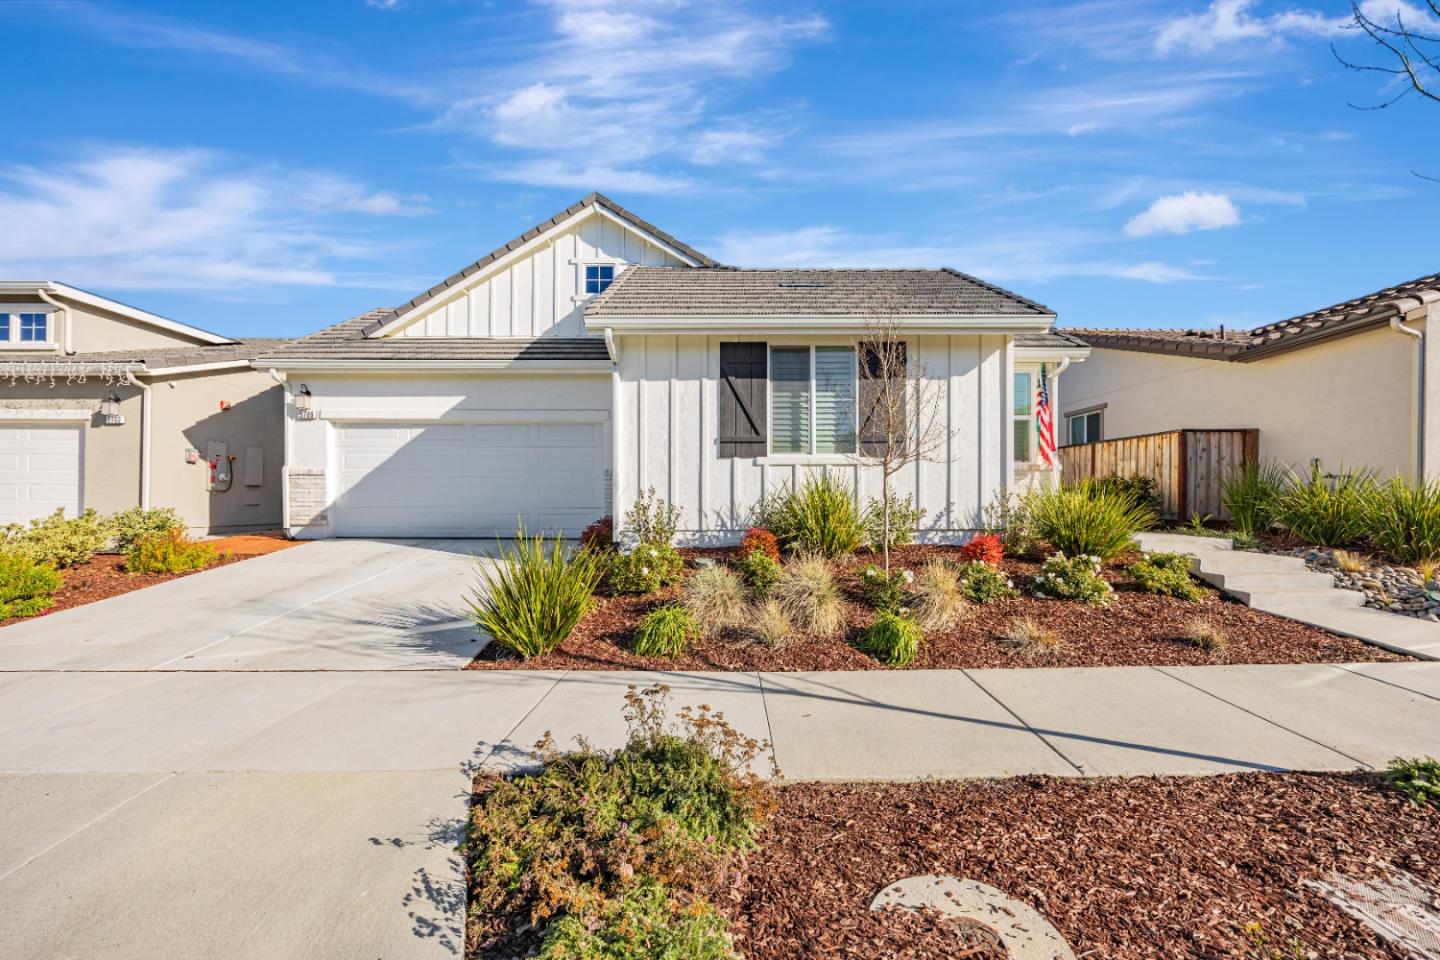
(1044, 423)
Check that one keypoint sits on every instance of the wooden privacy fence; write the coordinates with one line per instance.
(1186, 465)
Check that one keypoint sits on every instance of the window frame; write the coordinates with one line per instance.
(809, 454)
(601, 283)
(1030, 373)
(12, 327)
(1084, 417)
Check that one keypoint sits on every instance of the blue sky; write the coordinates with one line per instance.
(270, 168)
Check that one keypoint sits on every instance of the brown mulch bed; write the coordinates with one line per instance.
(1136, 629)
(1124, 868)
(104, 576)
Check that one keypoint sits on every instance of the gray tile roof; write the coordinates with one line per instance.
(1052, 338)
(347, 341)
(727, 292)
(151, 358)
(1351, 316)
(380, 317)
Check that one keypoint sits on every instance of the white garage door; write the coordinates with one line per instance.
(40, 471)
(468, 479)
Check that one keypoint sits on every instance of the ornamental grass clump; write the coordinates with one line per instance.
(1251, 495)
(1329, 511)
(530, 597)
(1404, 519)
(27, 588)
(894, 639)
(171, 552)
(768, 622)
(808, 594)
(1088, 520)
(1208, 637)
(715, 598)
(982, 583)
(1167, 574)
(939, 596)
(569, 852)
(665, 632)
(1073, 578)
(820, 517)
(1031, 640)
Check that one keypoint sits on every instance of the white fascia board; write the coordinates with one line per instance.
(822, 324)
(197, 368)
(633, 228)
(440, 366)
(104, 303)
(1042, 354)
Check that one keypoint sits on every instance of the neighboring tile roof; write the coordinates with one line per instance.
(150, 358)
(347, 341)
(1051, 338)
(727, 292)
(1352, 316)
(594, 199)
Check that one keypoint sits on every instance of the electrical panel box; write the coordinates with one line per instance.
(222, 469)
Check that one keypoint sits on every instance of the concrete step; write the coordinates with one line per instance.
(1287, 580)
(1239, 561)
(1325, 597)
(1182, 543)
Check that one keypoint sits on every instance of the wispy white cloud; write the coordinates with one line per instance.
(1014, 256)
(132, 218)
(1183, 213)
(1226, 22)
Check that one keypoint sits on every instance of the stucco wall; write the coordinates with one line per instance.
(667, 389)
(1344, 402)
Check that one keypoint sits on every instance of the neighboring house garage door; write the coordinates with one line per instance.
(40, 471)
(468, 479)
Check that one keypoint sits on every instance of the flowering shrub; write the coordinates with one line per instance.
(885, 593)
(758, 538)
(983, 583)
(645, 569)
(984, 547)
(600, 535)
(1166, 574)
(1073, 578)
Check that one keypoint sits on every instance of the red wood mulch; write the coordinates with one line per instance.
(1136, 629)
(104, 576)
(1124, 868)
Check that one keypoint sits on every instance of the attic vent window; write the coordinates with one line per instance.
(598, 277)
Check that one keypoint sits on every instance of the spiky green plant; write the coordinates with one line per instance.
(533, 594)
(1085, 520)
(820, 517)
(893, 639)
(1252, 495)
(1404, 519)
(1329, 511)
(665, 632)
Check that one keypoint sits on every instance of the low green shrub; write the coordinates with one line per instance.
(170, 552)
(761, 570)
(591, 826)
(1167, 574)
(905, 519)
(26, 587)
(820, 517)
(1086, 520)
(665, 632)
(531, 596)
(809, 596)
(1141, 489)
(886, 592)
(1418, 780)
(1327, 511)
(715, 598)
(57, 540)
(893, 639)
(127, 526)
(1252, 494)
(650, 520)
(982, 583)
(641, 923)
(1404, 520)
(1008, 517)
(1073, 578)
(645, 569)
(939, 596)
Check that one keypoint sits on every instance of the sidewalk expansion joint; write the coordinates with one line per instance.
(1021, 720)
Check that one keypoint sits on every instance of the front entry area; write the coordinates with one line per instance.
(468, 479)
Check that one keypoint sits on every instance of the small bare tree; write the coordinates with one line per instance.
(902, 415)
(1412, 51)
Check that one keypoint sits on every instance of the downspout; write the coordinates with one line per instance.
(64, 312)
(610, 344)
(281, 379)
(615, 446)
(144, 438)
(1417, 391)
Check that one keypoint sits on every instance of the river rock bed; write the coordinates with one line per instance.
(1393, 589)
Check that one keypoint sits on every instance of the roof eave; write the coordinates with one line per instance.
(849, 323)
(408, 365)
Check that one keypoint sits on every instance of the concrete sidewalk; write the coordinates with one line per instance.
(314, 815)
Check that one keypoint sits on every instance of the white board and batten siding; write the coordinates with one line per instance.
(541, 292)
(666, 395)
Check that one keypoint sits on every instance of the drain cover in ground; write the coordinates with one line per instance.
(1398, 905)
(1026, 934)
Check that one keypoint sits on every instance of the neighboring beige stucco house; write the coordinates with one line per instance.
(596, 356)
(107, 406)
(1355, 384)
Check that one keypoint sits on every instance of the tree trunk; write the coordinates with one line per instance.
(885, 518)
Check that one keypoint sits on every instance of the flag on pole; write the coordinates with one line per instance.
(1044, 422)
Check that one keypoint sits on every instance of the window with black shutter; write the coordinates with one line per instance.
(874, 413)
(741, 409)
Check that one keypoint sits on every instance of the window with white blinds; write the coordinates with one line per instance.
(812, 400)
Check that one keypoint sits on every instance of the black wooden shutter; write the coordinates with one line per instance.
(873, 429)
(743, 391)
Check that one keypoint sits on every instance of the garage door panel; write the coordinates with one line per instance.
(476, 480)
(41, 471)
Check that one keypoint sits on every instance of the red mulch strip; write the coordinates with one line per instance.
(1136, 629)
(104, 575)
(1124, 868)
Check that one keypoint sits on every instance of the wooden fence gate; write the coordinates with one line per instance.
(1186, 465)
